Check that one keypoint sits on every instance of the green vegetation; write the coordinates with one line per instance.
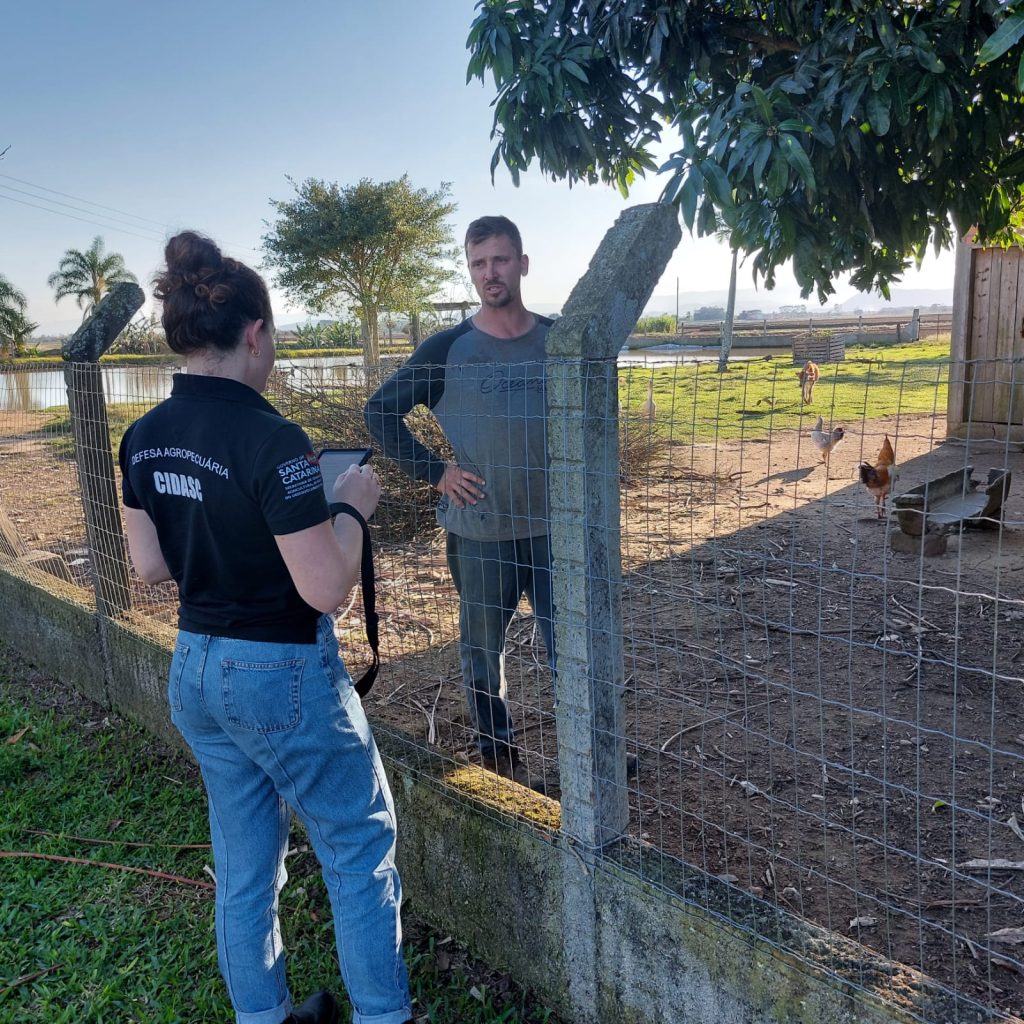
(844, 135)
(758, 397)
(664, 324)
(84, 942)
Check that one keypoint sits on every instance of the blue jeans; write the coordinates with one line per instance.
(279, 726)
(491, 577)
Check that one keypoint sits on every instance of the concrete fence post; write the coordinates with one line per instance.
(93, 455)
(583, 449)
(583, 453)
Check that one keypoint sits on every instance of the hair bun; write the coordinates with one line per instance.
(192, 257)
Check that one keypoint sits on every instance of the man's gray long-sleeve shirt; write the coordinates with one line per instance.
(488, 395)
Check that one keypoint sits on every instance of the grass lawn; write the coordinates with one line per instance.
(756, 397)
(83, 943)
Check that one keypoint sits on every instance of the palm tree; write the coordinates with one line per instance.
(14, 326)
(88, 275)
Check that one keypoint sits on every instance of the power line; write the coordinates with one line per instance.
(79, 199)
(61, 213)
(57, 202)
(106, 224)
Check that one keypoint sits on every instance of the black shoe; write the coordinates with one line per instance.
(317, 1009)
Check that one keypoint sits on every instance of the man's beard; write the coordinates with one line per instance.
(499, 301)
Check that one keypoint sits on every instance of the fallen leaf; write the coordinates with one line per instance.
(864, 922)
(11, 740)
(750, 790)
(476, 994)
(1013, 936)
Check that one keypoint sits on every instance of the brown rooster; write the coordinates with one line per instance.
(878, 478)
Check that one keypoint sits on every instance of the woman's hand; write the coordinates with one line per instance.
(460, 486)
(359, 487)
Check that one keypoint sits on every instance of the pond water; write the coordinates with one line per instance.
(30, 390)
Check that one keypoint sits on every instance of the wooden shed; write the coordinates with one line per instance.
(986, 378)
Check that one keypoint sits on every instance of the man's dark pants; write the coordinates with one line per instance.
(491, 577)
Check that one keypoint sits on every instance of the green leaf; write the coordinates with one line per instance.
(575, 70)
(798, 160)
(764, 150)
(929, 60)
(1020, 74)
(719, 182)
(688, 198)
(1008, 34)
(851, 100)
(900, 107)
(764, 106)
(937, 110)
(778, 178)
(878, 112)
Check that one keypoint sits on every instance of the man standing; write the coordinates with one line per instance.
(484, 382)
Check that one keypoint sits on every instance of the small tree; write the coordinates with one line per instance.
(373, 245)
(88, 275)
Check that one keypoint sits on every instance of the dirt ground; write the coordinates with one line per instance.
(820, 720)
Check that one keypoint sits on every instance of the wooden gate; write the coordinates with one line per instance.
(986, 387)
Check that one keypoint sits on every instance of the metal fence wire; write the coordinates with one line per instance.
(823, 700)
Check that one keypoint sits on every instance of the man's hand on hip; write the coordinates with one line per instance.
(460, 486)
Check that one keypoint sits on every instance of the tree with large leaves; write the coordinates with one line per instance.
(88, 275)
(373, 245)
(15, 327)
(844, 135)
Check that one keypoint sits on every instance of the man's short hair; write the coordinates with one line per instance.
(489, 227)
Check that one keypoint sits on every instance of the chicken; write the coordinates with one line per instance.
(878, 478)
(826, 442)
(809, 374)
(648, 410)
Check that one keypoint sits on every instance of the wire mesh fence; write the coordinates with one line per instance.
(823, 700)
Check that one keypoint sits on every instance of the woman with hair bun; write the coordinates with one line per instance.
(223, 495)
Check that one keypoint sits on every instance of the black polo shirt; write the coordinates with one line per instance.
(220, 471)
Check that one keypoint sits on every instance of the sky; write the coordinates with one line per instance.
(132, 121)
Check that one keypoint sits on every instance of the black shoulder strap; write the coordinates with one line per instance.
(369, 597)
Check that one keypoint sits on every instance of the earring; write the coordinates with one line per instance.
(255, 352)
